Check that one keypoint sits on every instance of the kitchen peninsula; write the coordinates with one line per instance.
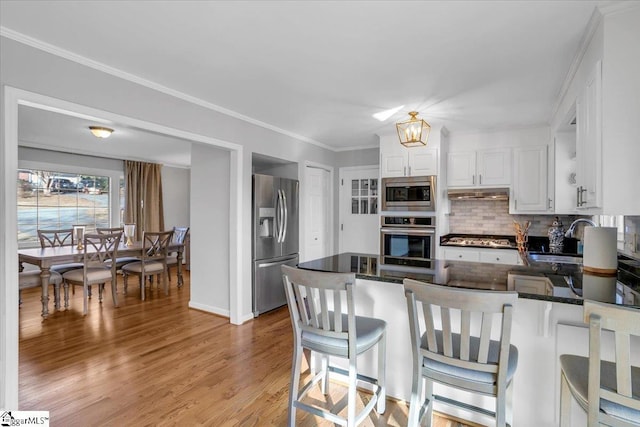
(545, 325)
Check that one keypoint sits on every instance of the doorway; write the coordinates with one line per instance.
(317, 230)
(13, 98)
(359, 201)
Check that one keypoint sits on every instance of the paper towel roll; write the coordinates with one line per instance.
(599, 288)
(600, 250)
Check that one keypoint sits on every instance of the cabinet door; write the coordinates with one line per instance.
(393, 160)
(529, 284)
(499, 256)
(462, 254)
(530, 179)
(423, 161)
(589, 141)
(494, 167)
(461, 169)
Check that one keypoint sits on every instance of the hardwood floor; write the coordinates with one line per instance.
(157, 362)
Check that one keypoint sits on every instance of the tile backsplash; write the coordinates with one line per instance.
(492, 217)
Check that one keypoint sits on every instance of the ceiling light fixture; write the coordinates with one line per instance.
(100, 132)
(384, 115)
(414, 132)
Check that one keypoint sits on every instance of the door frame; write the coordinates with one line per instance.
(303, 206)
(342, 188)
(9, 319)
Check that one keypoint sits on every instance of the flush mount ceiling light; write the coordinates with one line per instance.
(384, 115)
(414, 132)
(100, 132)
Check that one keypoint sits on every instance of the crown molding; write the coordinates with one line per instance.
(360, 147)
(79, 59)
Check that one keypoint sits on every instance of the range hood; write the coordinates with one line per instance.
(479, 194)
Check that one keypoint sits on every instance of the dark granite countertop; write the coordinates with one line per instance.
(570, 285)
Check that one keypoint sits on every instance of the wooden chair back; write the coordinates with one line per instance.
(317, 301)
(99, 249)
(625, 324)
(109, 230)
(156, 245)
(53, 238)
(431, 305)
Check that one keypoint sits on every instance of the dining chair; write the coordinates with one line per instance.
(179, 236)
(120, 261)
(455, 343)
(609, 391)
(153, 261)
(60, 237)
(321, 307)
(99, 249)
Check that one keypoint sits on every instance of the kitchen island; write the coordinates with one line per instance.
(545, 324)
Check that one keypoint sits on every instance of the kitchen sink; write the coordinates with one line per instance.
(556, 258)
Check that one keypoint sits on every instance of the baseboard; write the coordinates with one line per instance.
(209, 309)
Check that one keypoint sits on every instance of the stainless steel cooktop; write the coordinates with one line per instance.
(489, 242)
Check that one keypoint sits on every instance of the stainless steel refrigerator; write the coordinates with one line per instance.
(275, 238)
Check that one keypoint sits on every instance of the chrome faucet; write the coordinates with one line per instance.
(573, 225)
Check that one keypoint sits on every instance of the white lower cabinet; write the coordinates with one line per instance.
(492, 256)
(537, 285)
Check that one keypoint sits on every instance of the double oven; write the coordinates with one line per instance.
(407, 224)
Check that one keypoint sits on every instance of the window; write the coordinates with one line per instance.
(364, 196)
(49, 199)
(616, 221)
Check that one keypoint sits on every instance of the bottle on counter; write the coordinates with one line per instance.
(556, 236)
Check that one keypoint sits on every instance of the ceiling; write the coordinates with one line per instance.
(40, 128)
(320, 69)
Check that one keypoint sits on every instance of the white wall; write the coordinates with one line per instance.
(209, 229)
(176, 196)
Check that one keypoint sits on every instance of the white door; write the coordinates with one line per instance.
(359, 220)
(317, 213)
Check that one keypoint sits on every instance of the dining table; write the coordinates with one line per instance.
(45, 258)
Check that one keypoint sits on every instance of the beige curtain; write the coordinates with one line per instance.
(143, 198)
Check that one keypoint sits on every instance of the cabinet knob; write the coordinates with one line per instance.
(459, 256)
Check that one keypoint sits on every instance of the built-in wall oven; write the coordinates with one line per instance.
(408, 241)
(416, 193)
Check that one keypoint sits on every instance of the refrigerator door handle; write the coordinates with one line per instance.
(286, 215)
(277, 219)
(280, 212)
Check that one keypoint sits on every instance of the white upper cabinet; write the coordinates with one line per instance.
(484, 168)
(398, 160)
(589, 142)
(530, 176)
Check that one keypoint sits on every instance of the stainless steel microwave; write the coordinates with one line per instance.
(416, 193)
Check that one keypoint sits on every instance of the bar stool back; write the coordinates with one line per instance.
(454, 354)
(608, 391)
(323, 317)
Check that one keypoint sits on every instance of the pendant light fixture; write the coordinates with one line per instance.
(101, 132)
(414, 132)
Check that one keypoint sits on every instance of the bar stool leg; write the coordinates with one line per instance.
(294, 384)
(382, 371)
